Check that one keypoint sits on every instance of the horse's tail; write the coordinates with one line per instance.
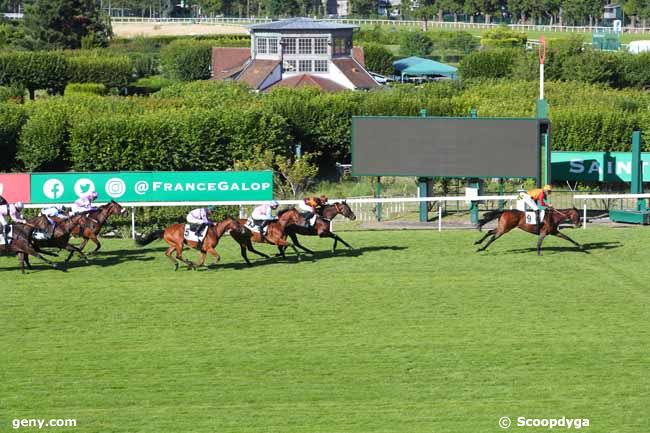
(487, 217)
(150, 238)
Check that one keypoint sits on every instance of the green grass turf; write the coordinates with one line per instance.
(414, 333)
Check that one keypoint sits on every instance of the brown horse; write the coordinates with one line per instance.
(174, 235)
(59, 237)
(510, 219)
(276, 234)
(322, 226)
(89, 224)
(22, 245)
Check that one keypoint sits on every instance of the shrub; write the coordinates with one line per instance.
(44, 138)
(489, 64)
(85, 88)
(34, 70)
(378, 59)
(15, 93)
(636, 70)
(416, 43)
(93, 67)
(187, 60)
(12, 119)
(594, 67)
(503, 37)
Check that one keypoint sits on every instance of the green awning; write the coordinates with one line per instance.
(417, 66)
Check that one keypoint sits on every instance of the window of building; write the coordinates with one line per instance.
(261, 46)
(289, 45)
(341, 46)
(304, 46)
(320, 46)
(273, 45)
(304, 66)
(290, 66)
(320, 65)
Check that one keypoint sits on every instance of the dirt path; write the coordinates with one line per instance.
(130, 30)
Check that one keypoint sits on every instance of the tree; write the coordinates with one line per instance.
(292, 175)
(64, 23)
(416, 43)
(364, 7)
(378, 59)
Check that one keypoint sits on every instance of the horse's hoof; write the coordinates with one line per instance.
(175, 267)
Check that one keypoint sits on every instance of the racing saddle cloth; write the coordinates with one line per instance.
(250, 224)
(191, 235)
(532, 215)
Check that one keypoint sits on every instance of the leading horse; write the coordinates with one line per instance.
(323, 226)
(511, 219)
(276, 234)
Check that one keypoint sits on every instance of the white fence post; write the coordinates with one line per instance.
(133, 222)
(584, 215)
(440, 217)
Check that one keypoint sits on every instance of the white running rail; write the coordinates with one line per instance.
(241, 204)
(586, 197)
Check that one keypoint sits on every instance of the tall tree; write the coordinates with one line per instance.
(64, 23)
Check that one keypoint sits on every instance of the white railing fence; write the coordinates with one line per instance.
(458, 25)
(365, 207)
(586, 198)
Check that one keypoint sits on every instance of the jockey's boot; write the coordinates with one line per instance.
(308, 216)
(537, 221)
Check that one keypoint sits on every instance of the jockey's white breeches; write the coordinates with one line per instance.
(305, 207)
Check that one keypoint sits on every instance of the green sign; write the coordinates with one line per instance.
(154, 186)
(596, 166)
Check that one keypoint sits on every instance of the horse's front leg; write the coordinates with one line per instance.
(540, 239)
(566, 238)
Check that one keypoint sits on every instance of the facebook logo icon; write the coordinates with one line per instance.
(53, 189)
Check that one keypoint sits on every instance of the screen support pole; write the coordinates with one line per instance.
(378, 195)
(424, 210)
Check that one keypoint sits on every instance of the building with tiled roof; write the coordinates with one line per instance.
(301, 50)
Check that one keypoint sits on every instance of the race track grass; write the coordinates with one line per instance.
(415, 332)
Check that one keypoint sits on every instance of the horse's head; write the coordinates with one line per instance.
(114, 208)
(345, 210)
(574, 216)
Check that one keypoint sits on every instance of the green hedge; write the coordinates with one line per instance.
(497, 63)
(85, 88)
(209, 125)
(12, 120)
(34, 70)
(43, 141)
(187, 60)
(111, 71)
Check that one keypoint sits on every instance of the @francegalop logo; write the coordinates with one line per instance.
(115, 187)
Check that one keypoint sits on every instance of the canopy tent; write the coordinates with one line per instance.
(417, 66)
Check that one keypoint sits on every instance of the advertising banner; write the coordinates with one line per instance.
(15, 187)
(596, 166)
(154, 186)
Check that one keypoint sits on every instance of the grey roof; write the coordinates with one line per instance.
(301, 24)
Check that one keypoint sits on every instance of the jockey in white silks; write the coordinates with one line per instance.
(54, 211)
(84, 203)
(13, 211)
(263, 214)
(199, 220)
